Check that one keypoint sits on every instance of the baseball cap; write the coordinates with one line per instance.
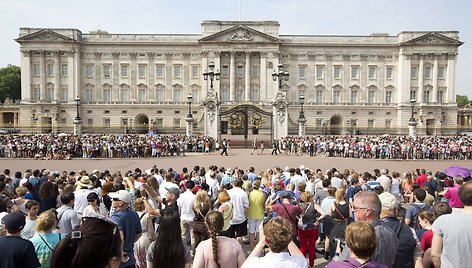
(388, 200)
(121, 195)
(174, 191)
(14, 221)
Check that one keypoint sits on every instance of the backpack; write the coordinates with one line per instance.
(414, 221)
(4, 200)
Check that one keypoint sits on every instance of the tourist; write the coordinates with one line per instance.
(277, 234)
(148, 235)
(168, 250)
(67, 216)
(14, 250)
(94, 243)
(218, 251)
(201, 207)
(94, 207)
(45, 240)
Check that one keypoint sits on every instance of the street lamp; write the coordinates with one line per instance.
(189, 119)
(211, 74)
(412, 122)
(280, 75)
(301, 117)
(77, 121)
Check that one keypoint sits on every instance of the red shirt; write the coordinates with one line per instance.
(427, 240)
(421, 179)
(293, 211)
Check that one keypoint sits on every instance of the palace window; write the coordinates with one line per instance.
(371, 96)
(64, 69)
(240, 71)
(354, 72)
(142, 70)
(89, 70)
(389, 72)
(319, 72)
(336, 96)
(302, 72)
(414, 72)
(107, 95)
(195, 71)
(124, 70)
(427, 72)
(107, 70)
(319, 96)
(354, 96)
(159, 71)
(388, 96)
(337, 72)
(441, 72)
(50, 69)
(177, 71)
(36, 69)
(372, 72)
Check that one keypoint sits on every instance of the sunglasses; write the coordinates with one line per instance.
(111, 224)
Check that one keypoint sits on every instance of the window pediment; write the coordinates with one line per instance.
(432, 39)
(45, 35)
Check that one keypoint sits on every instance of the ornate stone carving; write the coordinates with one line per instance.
(241, 36)
(211, 111)
(281, 110)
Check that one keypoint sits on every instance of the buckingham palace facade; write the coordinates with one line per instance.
(340, 85)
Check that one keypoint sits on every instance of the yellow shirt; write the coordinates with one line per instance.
(256, 205)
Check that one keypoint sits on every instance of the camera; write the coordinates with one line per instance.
(266, 219)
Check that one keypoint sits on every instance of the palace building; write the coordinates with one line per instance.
(220, 82)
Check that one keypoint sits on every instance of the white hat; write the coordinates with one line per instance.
(388, 200)
(121, 195)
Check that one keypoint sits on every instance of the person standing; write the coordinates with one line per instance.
(254, 146)
(452, 234)
(185, 203)
(256, 212)
(45, 240)
(218, 251)
(67, 217)
(224, 149)
(14, 250)
(240, 203)
(128, 223)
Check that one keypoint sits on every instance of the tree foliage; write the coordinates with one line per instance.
(462, 100)
(10, 83)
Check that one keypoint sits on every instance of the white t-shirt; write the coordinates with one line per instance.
(277, 260)
(81, 200)
(185, 203)
(240, 201)
(164, 185)
(28, 231)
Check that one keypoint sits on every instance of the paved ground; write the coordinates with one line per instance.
(241, 158)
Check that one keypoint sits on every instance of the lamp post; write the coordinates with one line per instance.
(77, 120)
(301, 117)
(211, 74)
(412, 122)
(281, 75)
(189, 119)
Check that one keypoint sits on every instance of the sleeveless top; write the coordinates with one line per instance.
(344, 209)
(228, 216)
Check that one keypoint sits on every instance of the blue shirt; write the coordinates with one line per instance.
(128, 222)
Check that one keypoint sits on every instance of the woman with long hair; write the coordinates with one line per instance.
(200, 209)
(96, 243)
(168, 250)
(148, 235)
(341, 215)
(45, 240)
(218, 251)
(407, 187)
(308, 228)
(226, 208)
(48, 193)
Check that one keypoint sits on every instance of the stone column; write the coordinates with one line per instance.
(247, 78)
(133, 77)
(205, 84)
(232, 76)
(263, 77)
(97, 68)
(419, 95)
(301, 127)
(151, 76)
(211, 115)
(57, 75)
(189, 126)
(26, 75)
(216, 83)
(77, 75)
(169, 76)
(115, 91)
(435, 79)
(450, 79)
(42, 72)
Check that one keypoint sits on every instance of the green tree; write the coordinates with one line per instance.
(10, 83)
(462, 100)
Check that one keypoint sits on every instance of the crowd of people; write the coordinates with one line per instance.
(374, 147)
(202, 217)
(56, 147)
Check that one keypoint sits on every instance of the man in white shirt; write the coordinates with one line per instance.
(213, 186)
(240, 203)
(297, 178)
(167, 184)
(83, 189)
(185, 203)
(385, 181)
(67, 216)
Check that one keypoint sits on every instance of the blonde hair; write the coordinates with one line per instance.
(223, 197)
(340, 194)
(46, 221)
(138, 204)
(21, 191)
(200, 198)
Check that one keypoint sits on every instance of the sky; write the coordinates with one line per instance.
(310, 17)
